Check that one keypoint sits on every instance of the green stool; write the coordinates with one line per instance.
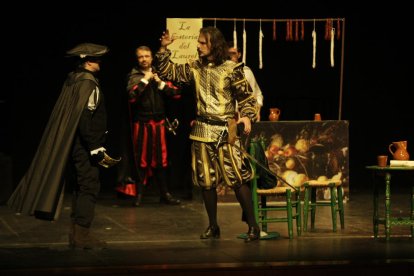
(271, 211)
(336, 201)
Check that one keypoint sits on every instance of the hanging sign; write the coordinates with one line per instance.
(185, 31)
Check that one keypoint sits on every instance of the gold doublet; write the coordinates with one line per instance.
(220, 91)
(216, 88)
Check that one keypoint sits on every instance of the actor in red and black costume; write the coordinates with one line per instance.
(146, 92)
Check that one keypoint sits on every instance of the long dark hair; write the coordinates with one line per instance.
(219, 48)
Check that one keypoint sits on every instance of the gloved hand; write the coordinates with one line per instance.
(108, 161)
(102, 158)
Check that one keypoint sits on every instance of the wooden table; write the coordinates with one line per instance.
(388, 220)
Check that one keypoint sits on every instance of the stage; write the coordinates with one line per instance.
(157, 239)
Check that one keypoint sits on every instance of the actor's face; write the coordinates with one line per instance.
(203, 46)
(144, 58)
(92, 66)
(234, 54)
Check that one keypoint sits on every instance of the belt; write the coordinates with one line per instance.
(210, 121)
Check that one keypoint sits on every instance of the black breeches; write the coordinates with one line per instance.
(87, 186)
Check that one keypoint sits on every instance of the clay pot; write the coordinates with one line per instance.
(400, 150)
(274, 114)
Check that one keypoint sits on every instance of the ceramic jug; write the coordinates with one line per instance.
(400, 150)
(274, 114)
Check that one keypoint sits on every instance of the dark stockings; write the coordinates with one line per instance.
(244, 196)
(160, 175)
(210, 202)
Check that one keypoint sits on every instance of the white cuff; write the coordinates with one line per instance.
(144, 81)
(161, 85)
(96, 151)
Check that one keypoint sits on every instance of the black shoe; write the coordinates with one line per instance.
(212, 232)
(137, 201)
(169, 199)
(253, 234)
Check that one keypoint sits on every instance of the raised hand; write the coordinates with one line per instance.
(166, 39)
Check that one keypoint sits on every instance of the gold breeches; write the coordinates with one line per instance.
(211, 166)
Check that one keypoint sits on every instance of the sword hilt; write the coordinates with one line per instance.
(172, 126)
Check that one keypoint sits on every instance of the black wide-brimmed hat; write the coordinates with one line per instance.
(84, 50)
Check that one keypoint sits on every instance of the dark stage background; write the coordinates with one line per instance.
(377, 71)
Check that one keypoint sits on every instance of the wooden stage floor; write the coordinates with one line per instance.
(157, 239)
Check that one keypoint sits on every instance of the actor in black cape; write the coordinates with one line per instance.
(76, 133)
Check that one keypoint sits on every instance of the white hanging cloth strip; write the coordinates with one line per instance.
(235, 35)
(332, 46)
(314, 45)
(244, 42)
(260, 46)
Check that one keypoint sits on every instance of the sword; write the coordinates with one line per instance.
(221, 136)
(172, 126)
(263, 166)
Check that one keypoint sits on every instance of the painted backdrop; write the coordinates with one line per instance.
(302, 150)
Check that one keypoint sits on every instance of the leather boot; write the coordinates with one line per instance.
(167, 198)
(253, 234)
(212, 232)
(82, 238)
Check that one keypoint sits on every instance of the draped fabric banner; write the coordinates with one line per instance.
(185, 31)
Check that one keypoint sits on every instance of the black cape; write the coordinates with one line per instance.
(41, 189)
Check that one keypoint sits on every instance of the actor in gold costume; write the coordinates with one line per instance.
(221, 90)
